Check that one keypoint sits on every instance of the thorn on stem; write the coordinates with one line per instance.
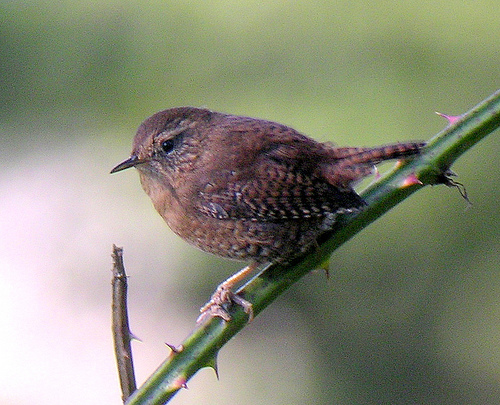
(213, 365)
(325, 266)
(452, 119)
(175, 349)
(411, 180)
(179, 383)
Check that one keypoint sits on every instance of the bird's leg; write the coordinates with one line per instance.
(224, 295)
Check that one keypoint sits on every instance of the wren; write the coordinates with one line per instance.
(246, 188)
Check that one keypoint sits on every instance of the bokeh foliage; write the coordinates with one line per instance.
(410, 314)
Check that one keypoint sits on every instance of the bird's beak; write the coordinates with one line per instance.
(130, 162)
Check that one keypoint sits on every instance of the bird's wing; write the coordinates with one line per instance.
(277, 192)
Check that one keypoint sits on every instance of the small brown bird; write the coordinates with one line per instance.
(246, 188)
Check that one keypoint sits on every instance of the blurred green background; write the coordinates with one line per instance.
(411, 312)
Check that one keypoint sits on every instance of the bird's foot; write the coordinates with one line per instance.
(216, 307)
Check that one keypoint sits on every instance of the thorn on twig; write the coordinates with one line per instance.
(452, 119)
(411, 180)
(325, 266)
(175, 349)
(178, 383)
(213, 365)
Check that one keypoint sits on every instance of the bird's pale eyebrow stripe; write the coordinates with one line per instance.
(178, 131)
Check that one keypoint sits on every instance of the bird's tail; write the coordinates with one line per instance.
(377, 154)
(349, 165)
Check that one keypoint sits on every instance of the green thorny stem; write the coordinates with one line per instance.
(431, 167)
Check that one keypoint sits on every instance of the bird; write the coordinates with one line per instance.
(248, 189)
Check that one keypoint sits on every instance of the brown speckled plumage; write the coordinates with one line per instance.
(246, 188)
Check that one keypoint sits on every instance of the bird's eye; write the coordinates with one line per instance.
(167, 145)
